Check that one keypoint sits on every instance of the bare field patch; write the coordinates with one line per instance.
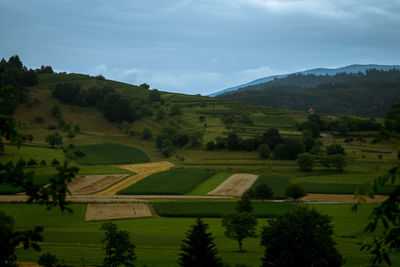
(142, 171)
(99, 212)
(235, 185)
(90, 184)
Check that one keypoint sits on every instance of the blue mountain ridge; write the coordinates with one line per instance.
(318, 71)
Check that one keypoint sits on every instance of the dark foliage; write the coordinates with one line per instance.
(198, 249)
(302, 237)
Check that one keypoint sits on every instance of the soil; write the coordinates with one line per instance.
(235, 185)
(89, 184)
(142, 171)
(100, 212)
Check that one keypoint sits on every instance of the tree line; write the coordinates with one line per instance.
(370, 95)
(113, 105)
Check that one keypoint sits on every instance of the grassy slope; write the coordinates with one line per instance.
(69, 237)
(109, 153)
(172, 182)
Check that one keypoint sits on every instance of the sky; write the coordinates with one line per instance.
(199, 46)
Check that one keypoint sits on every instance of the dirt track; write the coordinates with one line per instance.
(99, 212)
(89, 184)
(141, 170)
(235, 185)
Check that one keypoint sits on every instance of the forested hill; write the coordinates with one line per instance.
(370, 94)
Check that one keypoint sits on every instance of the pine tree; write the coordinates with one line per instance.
(199, 250)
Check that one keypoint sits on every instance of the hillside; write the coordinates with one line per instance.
(370, 94)
(356, 68)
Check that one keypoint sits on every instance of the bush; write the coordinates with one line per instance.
(295, 191)
(55, 162)
(305, 161)
(211, 145)
(264, 151)
(146, 134)
(335, 149)
(79, 153)
(38, 119)
(31, 162)
(43, 162)
(21, 162)
(51, 127)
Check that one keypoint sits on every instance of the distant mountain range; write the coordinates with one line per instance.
(318, 71)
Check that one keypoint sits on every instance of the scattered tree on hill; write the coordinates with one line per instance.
(54, 139)
(302, 237)
(55, 162)
(335, 149)
(144, 86)
(71, 135)
(289, 149)
(240, 225)
(295, 191)
(199, 248)
(56, 112)
(154, 95)
(45, 70)
(264, 151)
(210, 145)
(335, 161)
(118, 247)
(10, 240)
(43, 162)
(308, 140)
(305, 161)
(272, 138)
(175, 110)
(77, 129)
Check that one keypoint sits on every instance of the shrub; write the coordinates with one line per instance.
(305, 161)
(38, 119)
(55, 162)
(43, 162)
(335, 149)
(31, 162)
(210, 145)
(295, 191)
(21, 162)
(264, 151)
(263, 191)
(79, 153)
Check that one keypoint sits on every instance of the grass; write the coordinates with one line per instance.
(110, 153)
(177, 181)
(216, 209)
(158, 240)
(277, 184)
(42, 176)
(335, 188)
(38, 153)
(210, 184)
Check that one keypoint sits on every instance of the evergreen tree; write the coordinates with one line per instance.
(199, 250)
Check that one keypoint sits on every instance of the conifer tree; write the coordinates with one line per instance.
(199, 250)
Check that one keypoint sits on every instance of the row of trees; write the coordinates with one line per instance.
(171, 137)
(114, 106)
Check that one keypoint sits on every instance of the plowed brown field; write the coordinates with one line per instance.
(89, 184)
(235, 185)
(99, 212)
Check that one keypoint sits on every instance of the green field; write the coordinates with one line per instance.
(216, 209)
(177, 181)
(69, 237)
(210, 184)
(109, 153)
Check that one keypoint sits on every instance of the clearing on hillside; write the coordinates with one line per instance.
(142, 170)
(235, 185)
(110, 153)
(89, 184)
(99, 212)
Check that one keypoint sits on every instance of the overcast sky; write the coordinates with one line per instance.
(198, 46)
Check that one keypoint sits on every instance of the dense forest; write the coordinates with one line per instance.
(370, 94)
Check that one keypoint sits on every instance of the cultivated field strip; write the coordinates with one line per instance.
(235, 185)
(142, 171)
(99, 212)
(89, 184)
